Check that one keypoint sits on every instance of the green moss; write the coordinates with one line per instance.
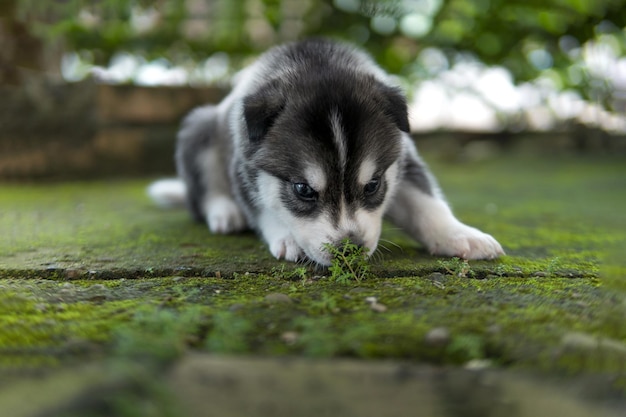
(540, 210)
(124, 278)
(507, 320)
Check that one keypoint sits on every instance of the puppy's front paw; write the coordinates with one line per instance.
(286, 248)
(465, 242)
(224, 216)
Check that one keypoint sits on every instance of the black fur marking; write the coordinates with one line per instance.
(193, 138)
(261, 110)
(396, 108)
(415, 173)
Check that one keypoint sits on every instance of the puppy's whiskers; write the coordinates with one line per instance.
(391, 243)
(310, 264)
(383, 247)
(378, 256)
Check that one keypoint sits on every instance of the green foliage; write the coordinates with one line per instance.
(297, 273)
(457, 267)
(349, 262)
(501, 32)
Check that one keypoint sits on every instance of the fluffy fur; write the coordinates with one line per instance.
(311, 147)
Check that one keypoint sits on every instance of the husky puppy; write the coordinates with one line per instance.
(312, 147)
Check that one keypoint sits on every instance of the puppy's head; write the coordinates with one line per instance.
(328, 151)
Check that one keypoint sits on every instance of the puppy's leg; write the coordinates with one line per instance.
(420, 210)
(202, 155)
(270, 219)
(278, 237)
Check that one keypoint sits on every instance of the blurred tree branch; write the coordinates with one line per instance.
(527, 37)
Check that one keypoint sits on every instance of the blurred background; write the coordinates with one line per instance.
(94, 88)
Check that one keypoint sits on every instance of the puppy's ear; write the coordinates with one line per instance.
(396, 108)
(261, 109)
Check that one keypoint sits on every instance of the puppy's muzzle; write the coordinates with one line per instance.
(350, 239)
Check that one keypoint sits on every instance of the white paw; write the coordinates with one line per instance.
(168, 193)
(286, 248)
(465, 242)
(224, 216)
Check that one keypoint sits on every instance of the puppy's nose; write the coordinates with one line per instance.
(353, 239)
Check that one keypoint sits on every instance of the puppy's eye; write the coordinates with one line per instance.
(371, 187)
(304, 191)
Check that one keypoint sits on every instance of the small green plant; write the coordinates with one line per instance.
(554, 265)
(299, 273)
(457, 267)
(349, 262)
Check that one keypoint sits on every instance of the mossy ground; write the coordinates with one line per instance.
(93, 271)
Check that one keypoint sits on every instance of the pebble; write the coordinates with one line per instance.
(436, 276)
(568, 273)
(73, 273)
(379, 308)
(439, 337)
(375, 305)
(277, 297)
(577, 341)
(98, 287)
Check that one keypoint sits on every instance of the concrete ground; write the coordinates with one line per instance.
(111, 306)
